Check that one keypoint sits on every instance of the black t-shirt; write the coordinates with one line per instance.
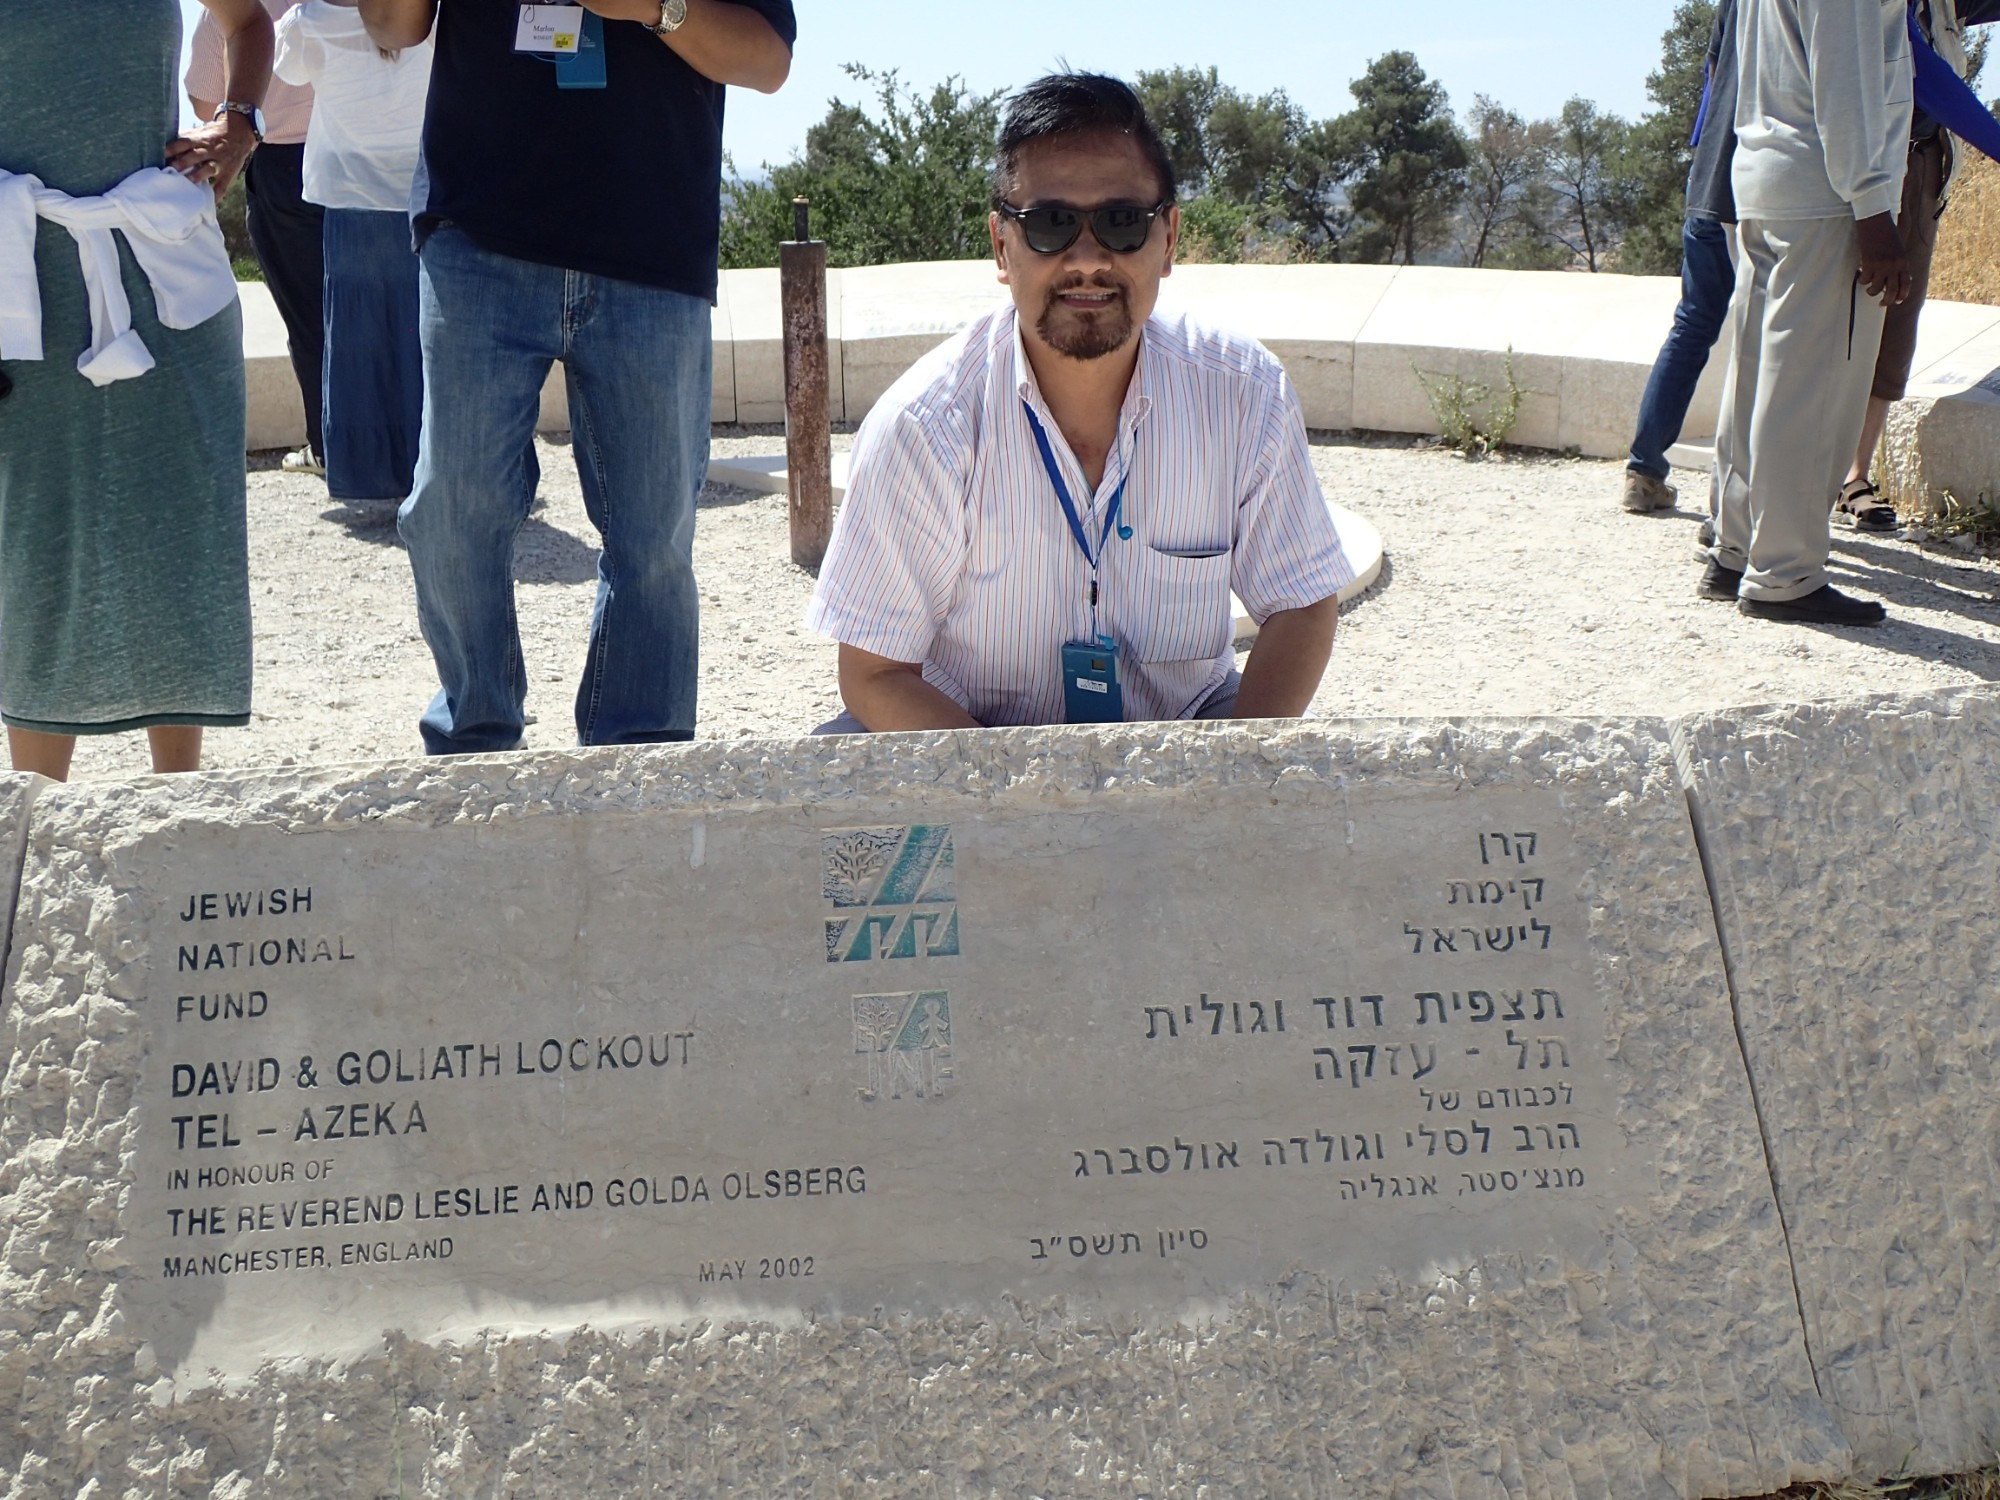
(623, 181)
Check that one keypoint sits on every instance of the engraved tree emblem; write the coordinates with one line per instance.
(853, 861)
(877, 1020)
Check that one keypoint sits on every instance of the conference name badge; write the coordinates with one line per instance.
(549, 28)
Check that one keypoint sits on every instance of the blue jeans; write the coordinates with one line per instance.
(1708, 279)
(374, 373)
(636, 362)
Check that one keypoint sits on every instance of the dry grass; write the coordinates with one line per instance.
(1984, 1485)
(1967, 268)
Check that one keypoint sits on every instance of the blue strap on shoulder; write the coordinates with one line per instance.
(1947, 98)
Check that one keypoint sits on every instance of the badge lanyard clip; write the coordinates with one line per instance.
(584, 68)
(1070, 515)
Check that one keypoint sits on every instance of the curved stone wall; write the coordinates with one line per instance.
(1354, 339)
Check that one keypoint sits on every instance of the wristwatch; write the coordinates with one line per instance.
(673, 15)
(253, 114)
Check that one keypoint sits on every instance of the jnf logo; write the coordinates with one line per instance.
(905, 1044)
(895, 892)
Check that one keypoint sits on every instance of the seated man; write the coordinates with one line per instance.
(1045, 517)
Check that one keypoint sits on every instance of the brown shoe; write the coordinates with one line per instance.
(1643, 492)
(1861, 507)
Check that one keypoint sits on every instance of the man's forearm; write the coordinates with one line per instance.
(888, 695)
(729, 43)
(248, 45)
(398, 23)
(1287, 662)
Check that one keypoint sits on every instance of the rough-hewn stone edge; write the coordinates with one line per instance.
(1719, 751)
(17, 800)
(1051, 764)
(1717, 1402)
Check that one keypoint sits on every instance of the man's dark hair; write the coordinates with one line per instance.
(1076, 104)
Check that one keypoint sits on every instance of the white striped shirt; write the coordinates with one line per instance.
(952, 550)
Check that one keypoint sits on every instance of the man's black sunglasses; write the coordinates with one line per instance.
(1051, 228)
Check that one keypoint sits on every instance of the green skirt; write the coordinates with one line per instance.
(124, 587)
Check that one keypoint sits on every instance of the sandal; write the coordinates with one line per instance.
(1864, 509)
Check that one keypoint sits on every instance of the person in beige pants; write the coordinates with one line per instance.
(1822, 120)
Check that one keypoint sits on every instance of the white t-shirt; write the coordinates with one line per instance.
(368, 111)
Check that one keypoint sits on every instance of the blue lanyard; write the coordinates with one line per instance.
(1069, 510)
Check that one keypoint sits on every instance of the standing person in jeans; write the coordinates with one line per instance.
(361, 157)
(285, 230)
(1822, 130)
(1925, 183)
(568, 207)
(1708, 278)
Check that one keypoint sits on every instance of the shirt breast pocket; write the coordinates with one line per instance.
(1182, 605)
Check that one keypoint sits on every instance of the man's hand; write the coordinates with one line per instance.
(216, 152)
(213, 154)
(731, 44)
(1287, 662)
(885, 694)
(1885, 269)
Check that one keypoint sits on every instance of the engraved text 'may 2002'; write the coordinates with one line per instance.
(671, 1067)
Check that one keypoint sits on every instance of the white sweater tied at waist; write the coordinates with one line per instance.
(170, 224)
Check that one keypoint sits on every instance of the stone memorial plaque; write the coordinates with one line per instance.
(1855, 870)
(708, 1063)
(1392, 1063)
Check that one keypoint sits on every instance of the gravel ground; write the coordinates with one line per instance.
(1514, 586)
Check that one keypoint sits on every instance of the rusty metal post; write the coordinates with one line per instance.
(808, 442)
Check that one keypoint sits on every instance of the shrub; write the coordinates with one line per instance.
(1473, 417)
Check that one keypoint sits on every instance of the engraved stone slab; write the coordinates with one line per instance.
(1345, 1111)
(1855, 867)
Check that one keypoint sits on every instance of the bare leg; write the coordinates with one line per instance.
(47, 754)
(176, 747)
(1871, 436)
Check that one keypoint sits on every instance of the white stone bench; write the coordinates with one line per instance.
(1354, 339)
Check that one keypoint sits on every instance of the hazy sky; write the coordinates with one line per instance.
(1529, 54)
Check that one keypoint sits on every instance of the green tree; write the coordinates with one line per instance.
(1595, 200)
(1247, 181)
(1309, 203)
(1180, 102)
(909, 181)
(1509, 204)
(1403, 155)
(1653, 167)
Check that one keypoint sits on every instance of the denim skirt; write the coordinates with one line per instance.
(374, 373)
